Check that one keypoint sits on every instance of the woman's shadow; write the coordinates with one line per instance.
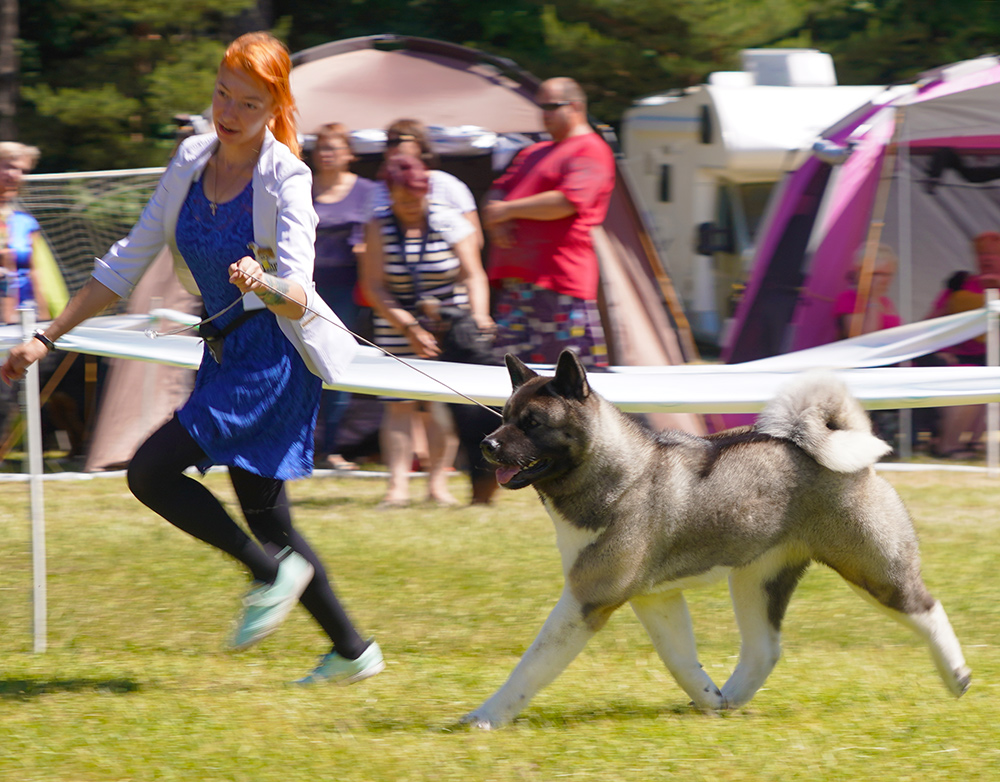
(24, 689)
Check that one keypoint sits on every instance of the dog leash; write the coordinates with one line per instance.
(153, 334)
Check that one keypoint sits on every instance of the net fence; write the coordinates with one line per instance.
(83, 214)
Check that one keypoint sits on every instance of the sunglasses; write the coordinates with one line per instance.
(553, 105)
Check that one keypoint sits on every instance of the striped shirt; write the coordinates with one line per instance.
(416, 268)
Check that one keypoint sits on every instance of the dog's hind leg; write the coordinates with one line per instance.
(562, 637)
(665, 617)
(932, 627)
(760, 594)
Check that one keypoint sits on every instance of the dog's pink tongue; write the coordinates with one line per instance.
(504, 474)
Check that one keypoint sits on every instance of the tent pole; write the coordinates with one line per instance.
(875, 231)
(688, 346)
(904, 273)
(993, 360)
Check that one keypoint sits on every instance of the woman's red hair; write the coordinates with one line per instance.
(264, 57)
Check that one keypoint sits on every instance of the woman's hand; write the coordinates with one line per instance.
(423, 343)
(281, 296)
(247, 275)
(20, 358)
(485, 322)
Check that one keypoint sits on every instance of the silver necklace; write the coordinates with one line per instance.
(214, 205)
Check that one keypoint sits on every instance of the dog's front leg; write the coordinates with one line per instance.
(668, 622)
(560, 640)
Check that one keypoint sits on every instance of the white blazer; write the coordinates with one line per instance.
(284, 221)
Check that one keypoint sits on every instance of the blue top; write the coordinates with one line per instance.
(257, 409)
(21, 228)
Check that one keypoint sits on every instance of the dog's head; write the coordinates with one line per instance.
(546, 424)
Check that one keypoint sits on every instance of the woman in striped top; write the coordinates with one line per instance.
(419, 259)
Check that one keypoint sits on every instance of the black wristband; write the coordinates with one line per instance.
(49, 344)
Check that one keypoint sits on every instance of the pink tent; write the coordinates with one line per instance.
(918, 168)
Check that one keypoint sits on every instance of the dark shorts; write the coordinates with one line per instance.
(536, 325)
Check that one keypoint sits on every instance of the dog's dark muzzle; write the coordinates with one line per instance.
(489, 446)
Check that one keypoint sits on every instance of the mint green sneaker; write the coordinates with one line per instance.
(339, 670)
(266, 605)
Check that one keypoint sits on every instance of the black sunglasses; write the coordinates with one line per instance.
(553, 105)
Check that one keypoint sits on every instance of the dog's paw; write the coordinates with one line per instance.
(961, 682)
(480, 720)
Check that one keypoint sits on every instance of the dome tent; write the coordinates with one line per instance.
(479, 109)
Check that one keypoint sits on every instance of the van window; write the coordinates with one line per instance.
(740, 211)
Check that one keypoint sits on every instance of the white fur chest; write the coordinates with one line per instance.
(570, 538)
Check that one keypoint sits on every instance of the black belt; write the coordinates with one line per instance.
(214, 337)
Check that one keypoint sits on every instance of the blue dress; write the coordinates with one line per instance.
(257, 409)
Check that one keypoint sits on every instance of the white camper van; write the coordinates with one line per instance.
(704, 160)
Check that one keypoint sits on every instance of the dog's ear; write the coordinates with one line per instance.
(571, 378)
(520, 373)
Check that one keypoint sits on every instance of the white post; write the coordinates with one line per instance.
(993, 360)
(905, 252)
(33, 466)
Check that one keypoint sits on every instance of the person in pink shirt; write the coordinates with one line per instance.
(967, 292)
(878, 312)
(539, 215)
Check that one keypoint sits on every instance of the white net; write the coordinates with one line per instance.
(83, 214)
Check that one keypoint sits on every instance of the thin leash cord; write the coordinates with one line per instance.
(153, 334)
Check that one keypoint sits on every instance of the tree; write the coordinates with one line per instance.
(8, 69)
(104, 78)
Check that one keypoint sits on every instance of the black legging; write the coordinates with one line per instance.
(156, 477)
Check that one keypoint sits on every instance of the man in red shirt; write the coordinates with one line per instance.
(539, 214)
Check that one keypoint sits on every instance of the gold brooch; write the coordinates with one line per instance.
(263, 255)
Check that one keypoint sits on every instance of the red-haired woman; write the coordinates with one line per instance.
(225, 198)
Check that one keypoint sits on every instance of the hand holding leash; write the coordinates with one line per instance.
(246, 267)
(247, 275)
(20, 358)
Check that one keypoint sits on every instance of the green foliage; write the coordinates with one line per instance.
(103, 79)
(135, 685)
(159, 56)
(894, 40)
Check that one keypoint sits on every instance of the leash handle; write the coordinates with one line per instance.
(361, 339)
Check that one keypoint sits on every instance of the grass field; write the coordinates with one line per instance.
(135, 685)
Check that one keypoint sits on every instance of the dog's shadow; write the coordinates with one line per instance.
(611, 711)
(25, 689)
(621, 710)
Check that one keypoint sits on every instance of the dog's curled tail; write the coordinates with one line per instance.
(818, 413)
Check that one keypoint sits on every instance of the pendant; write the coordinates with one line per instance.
(213, 206)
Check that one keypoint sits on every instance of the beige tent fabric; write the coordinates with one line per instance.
(368, 88)
(139, 396)
(636, 324)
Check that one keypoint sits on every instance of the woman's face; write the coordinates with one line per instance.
(989, 262)
(332, 154)
(12, 171)
(882, 277)
(241, 108)
(408, 205)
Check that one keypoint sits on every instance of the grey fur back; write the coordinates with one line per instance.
(818, 413)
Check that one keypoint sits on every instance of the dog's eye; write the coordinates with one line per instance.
(529, 422)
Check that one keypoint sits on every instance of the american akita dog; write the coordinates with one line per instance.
(642, 516)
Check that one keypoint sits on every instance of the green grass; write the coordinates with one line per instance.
(135, 686)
